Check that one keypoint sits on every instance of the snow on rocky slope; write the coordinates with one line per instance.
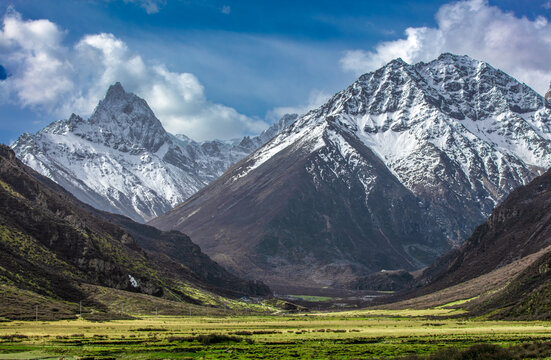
(457, 132)
(122, 160)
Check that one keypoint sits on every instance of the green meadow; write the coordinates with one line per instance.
(360, 334)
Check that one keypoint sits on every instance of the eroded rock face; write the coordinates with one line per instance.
(388, 174)
(548, 94)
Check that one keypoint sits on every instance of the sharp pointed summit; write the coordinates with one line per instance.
(115, 90)
(122, 160)
(126, 118)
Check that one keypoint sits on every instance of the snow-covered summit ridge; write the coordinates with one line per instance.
(122, 160)
(121, 120)
(455, 131)
(465, 94)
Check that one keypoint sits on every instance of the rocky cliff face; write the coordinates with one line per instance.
(122, 160)
(387, 174)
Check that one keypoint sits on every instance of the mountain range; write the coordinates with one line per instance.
(389, 174)
(123, 161)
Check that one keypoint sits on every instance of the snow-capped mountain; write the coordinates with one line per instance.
(214, 157)
(458, 133)
(122, 160)
(386, 175)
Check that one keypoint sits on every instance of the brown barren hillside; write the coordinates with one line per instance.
(503, 268)
(518, 227)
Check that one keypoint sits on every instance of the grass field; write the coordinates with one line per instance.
(346, 335)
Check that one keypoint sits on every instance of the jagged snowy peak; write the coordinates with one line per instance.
(456, 132)
(548, 94)
(444, 141)
(123, 119)
(122, 160)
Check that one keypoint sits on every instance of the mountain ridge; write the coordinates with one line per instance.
(518, 227)
(123, 161)
(455, 135)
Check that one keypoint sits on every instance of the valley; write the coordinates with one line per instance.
(215, 179)
(365, 334)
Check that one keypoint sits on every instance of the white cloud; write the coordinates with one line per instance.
(547, 4)
(315, 100)
(48, 75)
(517, 45)
(34, 55)
(181, 100)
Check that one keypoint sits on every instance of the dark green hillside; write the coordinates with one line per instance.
(179, 247)
(527, 297)
(50, 243)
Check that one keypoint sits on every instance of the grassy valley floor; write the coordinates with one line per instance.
(345, 335)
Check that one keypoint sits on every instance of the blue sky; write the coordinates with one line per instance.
(221, 69)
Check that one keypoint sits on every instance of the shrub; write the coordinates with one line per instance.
(207, 339)
(475, 352)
